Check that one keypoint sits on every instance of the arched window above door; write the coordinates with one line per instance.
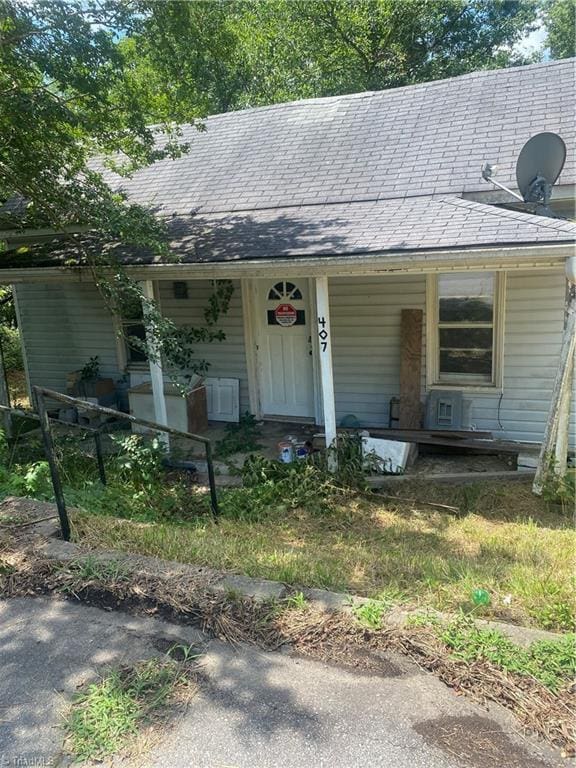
(283, 291)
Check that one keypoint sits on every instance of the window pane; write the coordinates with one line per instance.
(466, 310)
(469, 284)
(466, 361)
(466, 338)
(134, 353)
(467, 297)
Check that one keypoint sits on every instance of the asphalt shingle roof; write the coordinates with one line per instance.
(427, 139)
(418, 223)
(388, 226)
(366, 173)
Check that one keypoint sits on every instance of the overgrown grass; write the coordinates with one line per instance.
(108, 716)
(295, 523)
(505, 541)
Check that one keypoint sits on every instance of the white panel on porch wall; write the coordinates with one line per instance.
(324, 332)
(223, 399)
(156, 373)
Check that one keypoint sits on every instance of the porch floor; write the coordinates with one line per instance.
(269, 434)
(430, 459)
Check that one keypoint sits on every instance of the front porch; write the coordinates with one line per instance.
(325, 351)
(376, 352)
(490, 459)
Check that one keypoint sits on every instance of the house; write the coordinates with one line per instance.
(331, 216)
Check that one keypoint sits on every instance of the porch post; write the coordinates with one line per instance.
(155, 363)
(324, 332)
(5, 395)
(555, 443)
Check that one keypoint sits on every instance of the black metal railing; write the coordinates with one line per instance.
(41, 394)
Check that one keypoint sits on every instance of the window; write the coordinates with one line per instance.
(464, 329)
(133, 328)
(180, 289)
(281, 311)
(284, 290)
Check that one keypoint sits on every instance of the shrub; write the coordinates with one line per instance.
(11, 348)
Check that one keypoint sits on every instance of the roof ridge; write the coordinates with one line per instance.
(477, 73)
(494, 210)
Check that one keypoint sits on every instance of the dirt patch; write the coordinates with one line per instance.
(479, 742)
(15, 510)
(440, 463)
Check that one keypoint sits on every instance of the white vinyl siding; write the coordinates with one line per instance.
(532, 337)
(227, 358)
(365, 314)
(366, 350)
(62, 326)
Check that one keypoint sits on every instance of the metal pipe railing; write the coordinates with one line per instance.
(84, 427)
(41, 394)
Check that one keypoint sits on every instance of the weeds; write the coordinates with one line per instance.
(298, 524)
(90, 569)
(369, 613)
(560, 489)
(139, 461)
(297, 601)
(552, 662)
(106, 718)
(239, 438)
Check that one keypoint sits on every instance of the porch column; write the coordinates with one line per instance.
(155, 363)
(6, 419)
(324, 331)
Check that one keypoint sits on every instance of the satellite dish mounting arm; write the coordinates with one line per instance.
(487, 172)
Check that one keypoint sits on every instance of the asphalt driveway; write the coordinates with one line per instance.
(256, 710)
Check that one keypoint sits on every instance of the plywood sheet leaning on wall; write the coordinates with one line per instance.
(410, 368)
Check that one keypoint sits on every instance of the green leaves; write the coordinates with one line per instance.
(217, 56)
(552, 662)
(61, 69)
(560, 21)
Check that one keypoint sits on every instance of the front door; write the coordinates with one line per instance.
(285, 348)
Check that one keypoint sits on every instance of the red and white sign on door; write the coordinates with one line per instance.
(285, 314)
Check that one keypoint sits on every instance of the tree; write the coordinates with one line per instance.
(80, 78)
(217, 55)
(59, 65)
(560, 21)
(69, 106)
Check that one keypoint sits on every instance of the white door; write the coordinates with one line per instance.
(285, 348)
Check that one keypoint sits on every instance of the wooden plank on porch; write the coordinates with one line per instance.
(465, 441)
(410, 368)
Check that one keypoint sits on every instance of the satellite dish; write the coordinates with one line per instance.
(539, 164)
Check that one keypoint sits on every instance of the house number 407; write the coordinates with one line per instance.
(323, 334)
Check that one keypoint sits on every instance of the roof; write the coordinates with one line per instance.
(427, 139)
(365, 173)
(417, 223)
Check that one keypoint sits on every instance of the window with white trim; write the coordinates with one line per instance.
(465, 327)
